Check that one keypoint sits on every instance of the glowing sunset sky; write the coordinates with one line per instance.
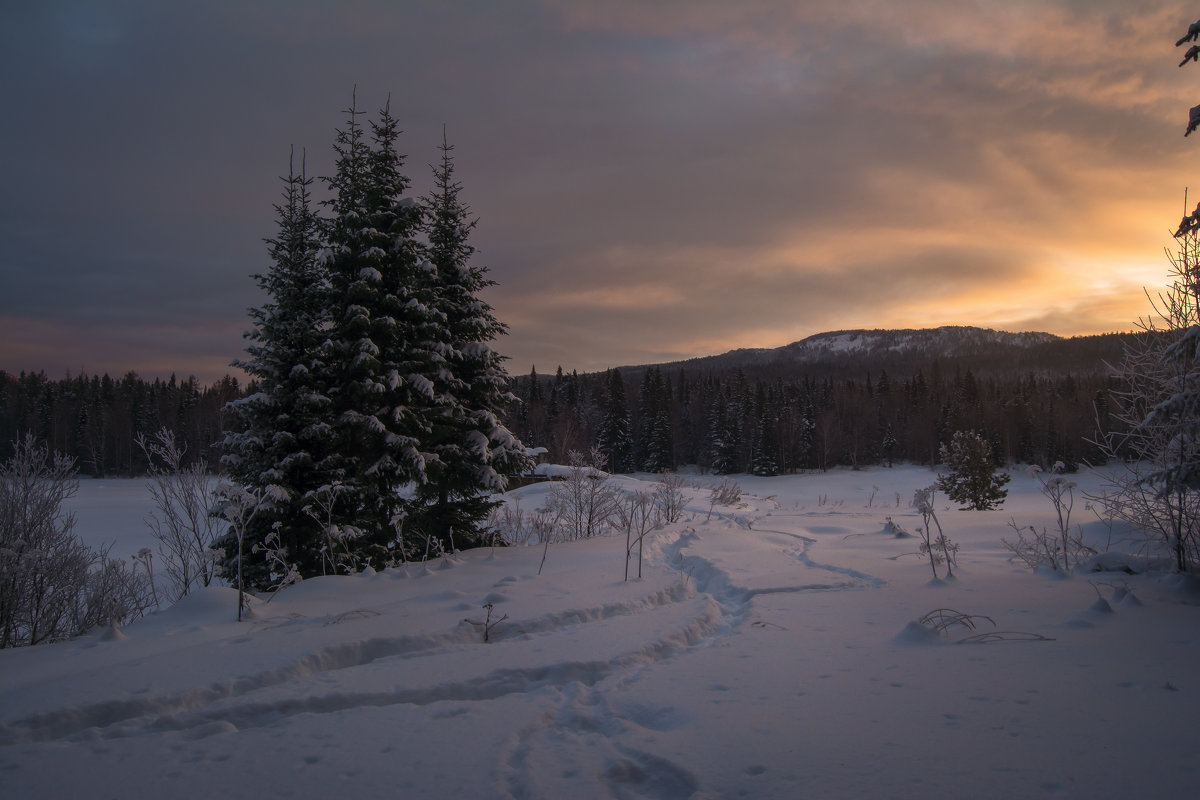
(655, 180)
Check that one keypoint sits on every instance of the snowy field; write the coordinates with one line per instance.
(769, 652)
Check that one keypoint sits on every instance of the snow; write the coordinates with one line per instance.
(770, 651)
(562, 472)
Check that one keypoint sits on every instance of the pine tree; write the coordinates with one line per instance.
(474, 452)
(278, 435)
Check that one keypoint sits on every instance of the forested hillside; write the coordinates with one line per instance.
(850, 398)
(871, 397)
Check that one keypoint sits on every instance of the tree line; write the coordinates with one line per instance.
(97, 419)
(724, 422)
(732, 423)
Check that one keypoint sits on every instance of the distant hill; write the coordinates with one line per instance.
(853, 352)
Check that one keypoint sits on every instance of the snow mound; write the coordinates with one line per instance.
(915, 633)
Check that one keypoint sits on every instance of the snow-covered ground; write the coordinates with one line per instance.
(766, 653)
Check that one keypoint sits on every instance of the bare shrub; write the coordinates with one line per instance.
(1056, 550)
(113, 594)
(52, 585)
(510, 523)
(725, 493)
(669, 497)
(586, 500)
(183, 523)
(487, 623)
(1153, 430)
(938, 549)
(941, 620)
(637, 515)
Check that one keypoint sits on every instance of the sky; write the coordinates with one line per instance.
(653, 180)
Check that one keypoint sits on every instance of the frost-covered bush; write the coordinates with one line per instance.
(52, 585)
(336, 540)
(239, 506)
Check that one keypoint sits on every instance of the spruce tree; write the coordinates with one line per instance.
(724, 440)
(278, 434)
(615, 437)
(386, 335)
(972, 479)
(656, 439)
(766, 442)
(473, 451)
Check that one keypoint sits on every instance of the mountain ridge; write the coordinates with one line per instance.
(855, 349)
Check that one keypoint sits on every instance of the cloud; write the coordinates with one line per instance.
(654, 180)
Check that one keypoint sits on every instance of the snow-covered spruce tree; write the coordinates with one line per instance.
(388, 339)
(973, 480)
(724, 439)
(615, 437)
(280, 434)
(656, 439)
(474, 452)
(765, 461)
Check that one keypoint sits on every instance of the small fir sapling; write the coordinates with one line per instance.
(973, 481)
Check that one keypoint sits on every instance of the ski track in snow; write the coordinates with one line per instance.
(583, 722)
(705, 604)
(192, 709)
